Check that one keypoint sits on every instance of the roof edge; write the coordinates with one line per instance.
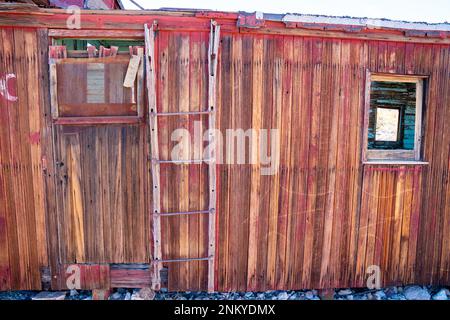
(369, 23)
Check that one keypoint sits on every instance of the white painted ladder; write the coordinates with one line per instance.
(211, 160)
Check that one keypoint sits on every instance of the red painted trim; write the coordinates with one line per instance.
(185, 21)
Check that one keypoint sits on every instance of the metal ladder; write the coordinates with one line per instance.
(155, 163)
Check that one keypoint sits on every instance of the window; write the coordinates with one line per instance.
(393, 117)
(88, 81)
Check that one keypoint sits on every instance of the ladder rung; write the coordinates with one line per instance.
(181, 113)
(182, 260)
(187, 161)
(185, 213)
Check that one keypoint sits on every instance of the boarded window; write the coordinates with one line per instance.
(394, 126)
(94, 88)
(87, 84)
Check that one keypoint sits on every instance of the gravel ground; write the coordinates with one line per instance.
(390, 293)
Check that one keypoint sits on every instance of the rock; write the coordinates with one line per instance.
(116, 296)
(143, 294)
(379, 295)
(416, 293)
(235, 296)
(248, 295)
(50, 295)
(293, 296)
(345, 292)
(309, 295)
(441, 295)
(127, 296)
(349, 297)
(391, 291)
(283, 296)
(73, 292)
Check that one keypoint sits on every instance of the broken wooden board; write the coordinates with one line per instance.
(132, 70)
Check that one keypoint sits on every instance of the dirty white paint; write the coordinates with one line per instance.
(6, 87)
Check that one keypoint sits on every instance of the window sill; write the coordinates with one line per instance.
(98, 120)
(397, 162)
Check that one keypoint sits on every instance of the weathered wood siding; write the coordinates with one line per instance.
(324, 217)
(101, 181)
(182, 85)
(23, 233)
(81, 194)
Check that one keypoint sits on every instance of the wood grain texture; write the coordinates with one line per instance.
(23, 240)
(81, 194)
(325, 216)
(101, 180)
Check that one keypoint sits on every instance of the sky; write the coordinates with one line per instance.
(431, 11)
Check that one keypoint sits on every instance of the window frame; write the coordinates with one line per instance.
(394, 155)
(399, 126)
(54, 35)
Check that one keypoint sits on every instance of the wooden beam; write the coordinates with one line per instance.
(396, 77)
(55, 53)
(193, 21)
(380, 35)
(366, 115)
(96, 34)
(418, 123)
(152, 107)
(98, 120)
(212, 69)
(130, 276)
